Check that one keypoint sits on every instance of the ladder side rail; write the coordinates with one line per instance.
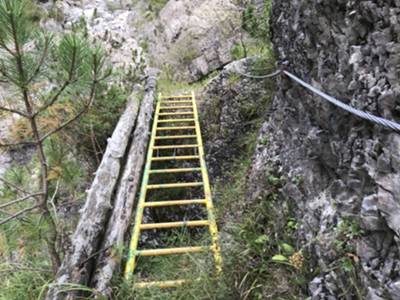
(130, 265)
(207, 191)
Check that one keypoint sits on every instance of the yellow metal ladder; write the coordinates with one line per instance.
(166, 135)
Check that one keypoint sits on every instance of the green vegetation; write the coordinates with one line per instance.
(238, 51)
(196, 267)
(157, 5)
(183, 52)
(261, 261)
(261, 258)
(90, 134)
(34, 12)
(256, 24)
(168, 85)
(347, 232)
(73, 118)
(56, 13)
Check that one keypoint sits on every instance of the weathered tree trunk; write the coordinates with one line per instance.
(76, 266)
(110, 259)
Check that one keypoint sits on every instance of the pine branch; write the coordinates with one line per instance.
(21, 212)
(70, 44)
(41, 61)
(20, 200)
(12, 185)
(14, 111)
(5, 212)
(51, 202)
(74, 118)
(5, 47)
(73, 61)
(23, 219)
(8, 76)
(53, 99)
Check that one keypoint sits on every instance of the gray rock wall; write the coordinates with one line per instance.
(192, 37)
(339, 169)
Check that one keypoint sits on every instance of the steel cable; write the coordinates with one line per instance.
(362, 114)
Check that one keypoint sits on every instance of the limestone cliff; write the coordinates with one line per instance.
(349, 168)
(339, 173)
(191, 38)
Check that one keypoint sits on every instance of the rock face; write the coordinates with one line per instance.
(339, 169)
(109, 22)
(194, 37)
(232, 104)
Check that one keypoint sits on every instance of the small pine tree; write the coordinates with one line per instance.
(30, 62)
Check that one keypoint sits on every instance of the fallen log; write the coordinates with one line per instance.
(113, 244)
(78, 261)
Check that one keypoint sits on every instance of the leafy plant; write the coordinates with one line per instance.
(257, 23)
(347, 232)
(349, 229)
(238, 51)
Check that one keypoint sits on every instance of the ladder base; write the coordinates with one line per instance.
(161, 284)
(175, 202)
(196, 223)
(169, 251)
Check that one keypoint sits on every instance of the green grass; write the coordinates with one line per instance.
(167, 85)
(254, 235)
(197, 268)
(25, 269)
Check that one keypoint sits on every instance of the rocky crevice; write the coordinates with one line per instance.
(232, 108)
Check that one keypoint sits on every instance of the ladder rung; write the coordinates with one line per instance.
(167, 137)
(177, 107)
(161, 284)
(181, 170)
(176, 102)
(175, 120)
(180, 96)
(175, 128)
(197, 223)
(176, 146)
(176, 113)
(174, 203)
(167, 251)
(182, 157)
(173, 185)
